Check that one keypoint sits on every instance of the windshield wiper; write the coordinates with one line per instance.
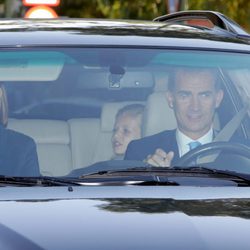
(240, 178)
(163, 176)
(132, 176)
(127, 172)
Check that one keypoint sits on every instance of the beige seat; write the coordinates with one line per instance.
(53, 143)
(84, 140)
(158, 115)
(61, 145)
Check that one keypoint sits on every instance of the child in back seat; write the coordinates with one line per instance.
(127, 127)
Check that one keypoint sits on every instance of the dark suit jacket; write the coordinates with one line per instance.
(18, 156)
(140, 149)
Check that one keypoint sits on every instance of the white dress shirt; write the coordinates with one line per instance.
(183, 140)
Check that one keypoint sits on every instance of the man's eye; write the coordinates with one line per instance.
(207, 94)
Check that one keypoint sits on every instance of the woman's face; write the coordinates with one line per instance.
(126, 129)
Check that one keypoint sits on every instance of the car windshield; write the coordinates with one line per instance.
(81, 106)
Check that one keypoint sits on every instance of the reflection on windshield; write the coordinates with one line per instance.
(81, 106)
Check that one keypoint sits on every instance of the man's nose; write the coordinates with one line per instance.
(195, 103)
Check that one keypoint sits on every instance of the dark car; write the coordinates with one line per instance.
(80, 171)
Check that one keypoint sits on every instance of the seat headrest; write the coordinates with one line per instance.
(109, 111)
(158, 115)
(42, 131)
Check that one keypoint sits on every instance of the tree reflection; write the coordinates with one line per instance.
(211, 207)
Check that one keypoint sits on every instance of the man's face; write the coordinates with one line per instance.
(194, 100)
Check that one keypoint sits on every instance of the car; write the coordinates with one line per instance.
(65, 81)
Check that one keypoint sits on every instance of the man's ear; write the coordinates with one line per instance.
(170, 99)
(219, 97)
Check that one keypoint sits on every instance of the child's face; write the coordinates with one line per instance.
(126, 129)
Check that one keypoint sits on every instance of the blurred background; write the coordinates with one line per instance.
(238, 10)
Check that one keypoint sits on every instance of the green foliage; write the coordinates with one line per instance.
(125, 9)
(238, 10)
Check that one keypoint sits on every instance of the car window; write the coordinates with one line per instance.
(67, 100)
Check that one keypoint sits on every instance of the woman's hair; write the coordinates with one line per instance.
(133, 110)
(3, 106)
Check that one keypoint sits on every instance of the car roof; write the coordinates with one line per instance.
(97, 32)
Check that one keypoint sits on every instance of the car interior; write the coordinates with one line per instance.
(68, 105)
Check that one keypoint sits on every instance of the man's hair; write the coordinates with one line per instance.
(173, 75)
(3, 106)
(133, 110)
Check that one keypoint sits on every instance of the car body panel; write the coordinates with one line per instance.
(104, 33)
(129, 217)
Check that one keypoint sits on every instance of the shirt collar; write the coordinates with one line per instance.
(183, 140)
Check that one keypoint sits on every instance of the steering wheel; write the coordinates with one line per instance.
(209, 148)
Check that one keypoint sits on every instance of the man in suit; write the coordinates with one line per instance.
(193, 94)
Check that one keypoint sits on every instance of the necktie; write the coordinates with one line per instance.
(194, 144)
